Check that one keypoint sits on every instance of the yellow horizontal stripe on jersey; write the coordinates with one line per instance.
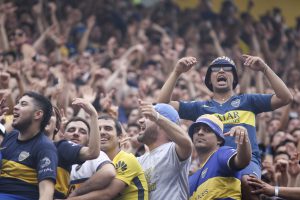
(237, 117)
(218, 188)
(62, 180)
(12, 169)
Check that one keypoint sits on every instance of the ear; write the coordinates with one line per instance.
(38, 114)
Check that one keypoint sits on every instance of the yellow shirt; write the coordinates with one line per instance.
(130, 172)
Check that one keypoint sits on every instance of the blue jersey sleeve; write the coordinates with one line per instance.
(68, 152)
(190, 110)
(224, 155)
(260, 102)
(47, 162)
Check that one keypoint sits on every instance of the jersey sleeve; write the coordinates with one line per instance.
(190, 110)
(47, 162)
(69, 152)
(224, 155)
(127, 168)
(260, 102)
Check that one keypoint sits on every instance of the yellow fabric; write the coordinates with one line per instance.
(218, 188)
(214, 119)
(11, 169)
(237, 117)
(130, 172)
(62, 180)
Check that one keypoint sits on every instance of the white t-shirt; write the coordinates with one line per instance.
(166, 175)
(81, 173)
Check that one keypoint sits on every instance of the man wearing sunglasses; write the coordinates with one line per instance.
(221, 78)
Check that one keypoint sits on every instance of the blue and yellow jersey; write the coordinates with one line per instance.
(215, 179)
(238, 110)
(26, 163)
(68, 155)
(130, 172)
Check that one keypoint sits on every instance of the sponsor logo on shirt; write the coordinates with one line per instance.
(121, 165)
(236, 103)
(23, 155)
(45, 162)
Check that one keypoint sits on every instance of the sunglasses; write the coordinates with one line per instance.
(218, 68)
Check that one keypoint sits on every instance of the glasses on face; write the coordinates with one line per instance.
(218, 68)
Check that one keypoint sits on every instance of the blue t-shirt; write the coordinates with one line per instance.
(26, 163)
(215, 179)
(68, 155)
(238, 110)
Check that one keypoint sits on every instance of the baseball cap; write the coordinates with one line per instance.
(168, 112)
(224, 61)
(213, 122)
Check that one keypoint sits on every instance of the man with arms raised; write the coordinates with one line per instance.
(221, 78)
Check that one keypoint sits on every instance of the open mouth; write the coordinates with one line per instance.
(15, 115)
(221, 79)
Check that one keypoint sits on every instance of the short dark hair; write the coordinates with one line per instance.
(117, 123)
(76, 119)
(44, 104)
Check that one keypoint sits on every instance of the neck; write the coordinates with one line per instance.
(204, 155)
(222, 97)
(160, 140)
(112, 153)
(28, 133)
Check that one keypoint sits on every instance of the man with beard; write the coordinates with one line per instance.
(221, 78)
(167, 164)
(29, 158)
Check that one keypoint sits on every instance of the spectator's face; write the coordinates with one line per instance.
(25, 113)
(293, 123)
(41, 70)
(77, 132)
(19, 36)
(133, 132)
(221, 79)
(133, 116)
(131, 100)
(149, 131)
(296, 135)
(278, 137)
(108, 133)
(204, 138)
(274, 126)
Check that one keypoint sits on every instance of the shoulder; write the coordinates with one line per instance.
(125, 160)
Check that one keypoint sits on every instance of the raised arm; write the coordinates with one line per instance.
(243, 156)
(93, 148)
(173, 130)
(183, 65)
(282, 95)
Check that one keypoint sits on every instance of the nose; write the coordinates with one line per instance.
(141, 120)
(75, 134)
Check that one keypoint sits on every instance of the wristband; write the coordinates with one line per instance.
(276, 191)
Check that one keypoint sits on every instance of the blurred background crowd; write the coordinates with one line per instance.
(115, 52)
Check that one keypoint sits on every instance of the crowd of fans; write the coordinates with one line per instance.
(112, 53)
